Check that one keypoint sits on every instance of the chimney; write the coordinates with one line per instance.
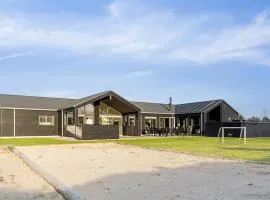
(170, 103)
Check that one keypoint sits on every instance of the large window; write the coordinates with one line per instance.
(166, 122)
(109, 115)
(45, 120)
(150, 122)
(131, 120)
(86, 114)
(86, 110)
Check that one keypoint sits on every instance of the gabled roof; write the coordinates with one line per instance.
(99, 96)
(83, 100)
(196, 107)
(160, 108)
(33, 102)
(48, 103)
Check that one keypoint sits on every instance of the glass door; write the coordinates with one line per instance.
(117, 121)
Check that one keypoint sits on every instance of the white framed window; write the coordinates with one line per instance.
(166, 122)
(89, 120)
(150, 122)
(131, 121)
(45, 120)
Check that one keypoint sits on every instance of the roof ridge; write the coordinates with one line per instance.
(98, 93)
(200, 101)
(211, 104)
(150, 102)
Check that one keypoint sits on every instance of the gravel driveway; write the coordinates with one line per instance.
(17, 181)
(114, 172)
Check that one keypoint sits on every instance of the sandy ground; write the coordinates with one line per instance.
(17, 181)
(114, 172)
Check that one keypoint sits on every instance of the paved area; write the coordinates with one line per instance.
(17, 181)
(114, 172)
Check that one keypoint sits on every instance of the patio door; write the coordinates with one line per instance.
(166, 122)
(118, 121)
(110, 116)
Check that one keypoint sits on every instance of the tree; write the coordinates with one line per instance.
(266, 119)
(254, 119)
(241, 117)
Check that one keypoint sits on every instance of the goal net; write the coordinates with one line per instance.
(225, 132)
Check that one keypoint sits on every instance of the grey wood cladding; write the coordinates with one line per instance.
(26, 123)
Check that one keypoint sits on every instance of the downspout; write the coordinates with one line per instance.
(107, 112)
(75, 119)
(14, 118)
(62, 123)
(202, 123)
(170, 103)
(1, 121)
(84, 118)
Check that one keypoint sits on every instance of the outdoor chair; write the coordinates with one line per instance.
(162, 131)
(198, 131)
(176, 130)
(173, 131)
(159, 131)
(167, 130)
(152, 131)
(144, 132)
(156, 131)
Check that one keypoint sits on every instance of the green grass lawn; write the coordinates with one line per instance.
(254, 150)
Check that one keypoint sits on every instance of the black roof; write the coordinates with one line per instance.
(83, 100)
(186, 108)
(196, 107)
(48, 103)
(33, 102)
(99, 96)
(147, 107)
(36, 102)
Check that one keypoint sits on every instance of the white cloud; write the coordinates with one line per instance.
(15, 55)
(142, 31)
(140, 73)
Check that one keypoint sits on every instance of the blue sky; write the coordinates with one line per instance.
(149, 50)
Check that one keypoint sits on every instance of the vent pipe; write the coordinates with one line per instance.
(170, 103)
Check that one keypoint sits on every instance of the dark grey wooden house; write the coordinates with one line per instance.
(105, 115)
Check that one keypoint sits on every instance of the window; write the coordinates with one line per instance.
(80, 120)
(46, 120)
(131, 121)
(166, 122)
(89, 120)
(161, 122)
(150, 122)
(85, 114)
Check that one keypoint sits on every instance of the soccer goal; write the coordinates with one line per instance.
(243, 133)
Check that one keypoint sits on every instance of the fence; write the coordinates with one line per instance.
(95, 132)
(254, 129)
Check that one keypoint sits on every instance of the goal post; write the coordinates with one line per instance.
(243, 133)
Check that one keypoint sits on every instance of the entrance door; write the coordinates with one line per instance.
(167, 122)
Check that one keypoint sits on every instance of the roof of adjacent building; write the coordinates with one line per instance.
(147, 107)
(196, 107)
